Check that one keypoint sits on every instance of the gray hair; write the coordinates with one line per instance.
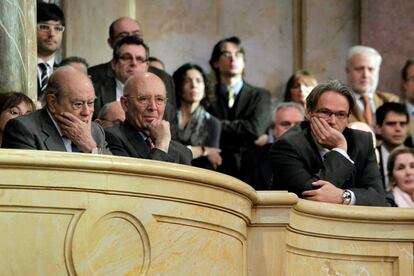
(287, 105)
(360, 50)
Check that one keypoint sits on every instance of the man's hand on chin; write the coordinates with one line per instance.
(160, 132)
(78, 131)
(327, 192)
(327, 136)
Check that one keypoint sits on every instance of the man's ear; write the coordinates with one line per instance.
(110, 42)
(378, 129)
(98, 121)
(124, 103)
(113, 64)
(52, 101)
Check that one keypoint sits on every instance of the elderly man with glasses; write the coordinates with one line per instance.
(50, 28)
(65, 123)
(144, 133)
(322, 159)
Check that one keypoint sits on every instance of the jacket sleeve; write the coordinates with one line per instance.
(18, 136)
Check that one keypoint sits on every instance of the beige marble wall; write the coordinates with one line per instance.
(388, 27)
(18, 47)
(330, 28)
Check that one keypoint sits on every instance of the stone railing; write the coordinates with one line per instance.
(79, 214)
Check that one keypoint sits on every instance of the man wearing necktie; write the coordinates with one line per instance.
(362, 69)
(65, 122)
(244, 110)
(144, 133)
(50, 28)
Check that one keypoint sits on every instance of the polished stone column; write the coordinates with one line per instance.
(18, 47)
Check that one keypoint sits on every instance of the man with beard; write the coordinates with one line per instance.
(49, 30)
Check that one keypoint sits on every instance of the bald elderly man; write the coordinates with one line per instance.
(144, 133)
(65, 123)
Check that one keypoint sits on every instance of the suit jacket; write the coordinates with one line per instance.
(241, 125)
(379, 99)
(103, 78)
(125, 140)
(37, 131)
(297, 162)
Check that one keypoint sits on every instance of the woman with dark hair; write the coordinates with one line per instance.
(401, 175)
(12, 105)
(298, 87)
(197, 128)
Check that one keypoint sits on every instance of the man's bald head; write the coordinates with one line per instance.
(122, 27)
(144, 99)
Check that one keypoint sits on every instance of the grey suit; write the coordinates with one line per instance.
(37, 131)
(297, 163)
(125, 140)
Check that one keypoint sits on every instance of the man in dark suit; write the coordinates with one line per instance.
(144, 134)
(392, 125)
(256, 166)
(244, 110)
(323, 160)
(103, 75)
(65, 123)
(50, 28)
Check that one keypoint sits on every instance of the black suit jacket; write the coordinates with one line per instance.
(297, 163)
(103, 78)
(125, 140)
(241, 125)
(37, 131)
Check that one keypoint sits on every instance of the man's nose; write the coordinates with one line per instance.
(86, 110)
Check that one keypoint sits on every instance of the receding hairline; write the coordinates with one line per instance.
(141, 77)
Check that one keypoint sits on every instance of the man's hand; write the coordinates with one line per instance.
(213, 155)
(327, 136)
(262, 140)
(160, 133)
(326, 193)
(79, 132)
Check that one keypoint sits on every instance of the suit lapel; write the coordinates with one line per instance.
(242, 99)
(52, 139)
(136, 144)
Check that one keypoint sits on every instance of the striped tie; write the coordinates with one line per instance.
(43, 77)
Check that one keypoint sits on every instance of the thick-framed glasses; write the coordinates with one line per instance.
(326, 113)
(228, 54)
(45, 27)
(130, 58)
(146, 100)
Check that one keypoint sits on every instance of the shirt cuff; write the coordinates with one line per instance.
(343, 153)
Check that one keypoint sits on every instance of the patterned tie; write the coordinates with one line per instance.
(43, 77)
(231, 96)
(367, 110)
(149, 142)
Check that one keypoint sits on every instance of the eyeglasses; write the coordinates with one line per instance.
(326, 113)
(146, 100)
(130, 58)
(395, 123)
(45, 27)
(288, 124)
(228, 54)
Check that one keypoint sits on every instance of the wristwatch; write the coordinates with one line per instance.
(346, 197)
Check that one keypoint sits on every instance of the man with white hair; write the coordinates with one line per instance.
(362, 69)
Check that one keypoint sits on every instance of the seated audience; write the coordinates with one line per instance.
(65, 123)
(197, 128)
(110, 115)
(76, 62)
(392, 125)
(256, 163)
(362, 69)
(156, 63)
(144, 134)
(298, 87)
(323, 160)
(12, 105)
(401, 176)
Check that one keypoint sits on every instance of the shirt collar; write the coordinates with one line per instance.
(236, 87)
(50, 62)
